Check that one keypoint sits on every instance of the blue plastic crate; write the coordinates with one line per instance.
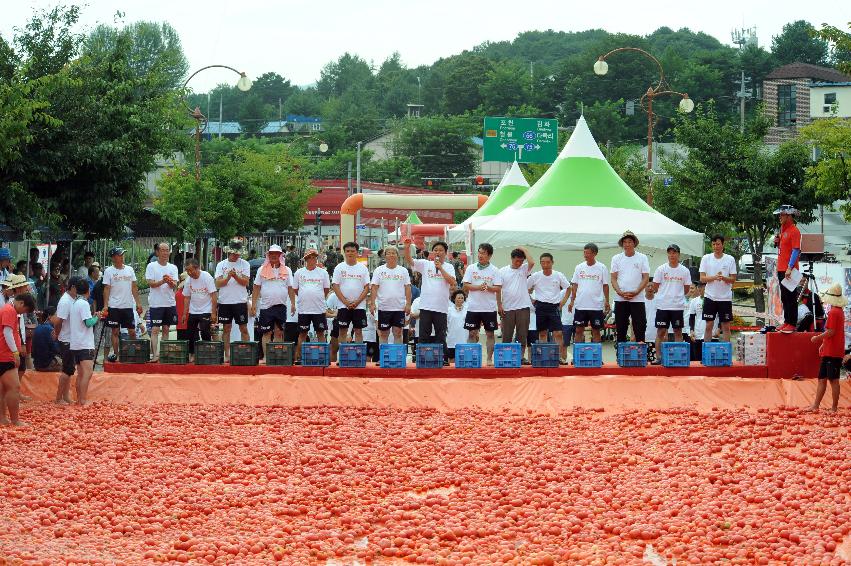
(316, 354)
(632, 354)
(468, 355)
(676, 354)
(507, 355)
(717, 354)
(588, 355)
(393, 356)
(352, 355)
(545, 355)
(429, 356)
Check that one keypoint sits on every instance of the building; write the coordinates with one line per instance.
(292, 124)
(796, 94)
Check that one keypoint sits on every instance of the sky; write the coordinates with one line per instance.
(296, 38)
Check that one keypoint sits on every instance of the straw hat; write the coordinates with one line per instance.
(310, 252)
(15, 282)
(628, 234)
(834, 296)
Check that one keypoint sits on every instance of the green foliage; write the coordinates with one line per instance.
(505, 86)
(798, 42)
(830, 176)
(193, 206)
(630, 163)
(840, 44)
(439, 146)
(607, 121)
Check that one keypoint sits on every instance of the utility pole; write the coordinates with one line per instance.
(349, 180)
(743, 95)
(220, 115)
(357, 189)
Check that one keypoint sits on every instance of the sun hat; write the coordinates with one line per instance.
(15, 281)
(628, 234)
(275, 248)
(234, 247)
(834, 296)
(310, 252)
(786, 209)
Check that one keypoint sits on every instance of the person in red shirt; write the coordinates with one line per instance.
(832, 347)
(789, 242)
(10, 357)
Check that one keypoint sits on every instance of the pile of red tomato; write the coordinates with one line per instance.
(328, 485)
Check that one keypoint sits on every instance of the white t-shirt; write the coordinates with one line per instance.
(82, 336)
(548, 288)
(455, 331)
(711, 265)
(434, 292)
(233, 293)
(63, 311)
(120, 283)
(391, 287)
(312, 286)
(332, 303)
(589, 281)
(162, 296)
(199, 292)
(672, 282)
(369, 334)
(533, 320)
(415, 311)
(351, 279)
(482, 301)
(274, 291)
(650, 310)
(695, 307)
(292, 316)
(515, 293)
(630, 270)
(566, 315)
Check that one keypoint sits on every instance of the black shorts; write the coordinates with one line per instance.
(120, 318)
(722, 309)
(275, 315)
(547, 317)
(475, 320)
(386, 319)
(68, 362)
(664, 319)
(335, 329)
(83, 355)
(163, 316)
(237, 312)
(354, 317)
(594, 319)
(320, 324)
(829, 368)
(6, 366)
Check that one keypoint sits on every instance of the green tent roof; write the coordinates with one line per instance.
(413, 218)
(512, 186)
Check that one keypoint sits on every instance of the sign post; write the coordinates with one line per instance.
(526, 140)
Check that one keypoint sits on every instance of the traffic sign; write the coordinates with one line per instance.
(527, 140)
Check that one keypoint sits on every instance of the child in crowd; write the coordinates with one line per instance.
(832, 349)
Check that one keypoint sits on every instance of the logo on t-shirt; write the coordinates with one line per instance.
(482, 278)
(589, 276)
(311, 281)
(387, 276)
(672, 278)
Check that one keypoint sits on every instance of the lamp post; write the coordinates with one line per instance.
(243, 84)
(319, 227)
(661, 88)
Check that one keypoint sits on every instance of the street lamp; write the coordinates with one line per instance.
(661, 88)
(319, 226)
(243, 84)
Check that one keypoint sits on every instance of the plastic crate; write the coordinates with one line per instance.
(429, 356)
(315, 354)
(676, 354)
(174, 352)
(352, 355)
(393, 356)
(134, 351)
(279, 353)
(507, 355)
(545, 355)
(632, 354)
(717, 354)
(588, 355)
(244, 353)
(209, 353)
(468, 356)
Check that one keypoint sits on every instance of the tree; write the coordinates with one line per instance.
(607, 120)
(798, 42)
(304, 102)
(840, 43)
(195, 206)
(396, 86)
(439, 146)
(273, 90)
(347, 72)
(630, 163)
(830, 176)
(461, 91)
(504, 86)
(730, 178)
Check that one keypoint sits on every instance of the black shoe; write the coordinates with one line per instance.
(112, 358)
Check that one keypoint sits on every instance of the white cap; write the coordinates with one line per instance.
(275, 248)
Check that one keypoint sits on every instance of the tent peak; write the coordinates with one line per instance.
(581, 143)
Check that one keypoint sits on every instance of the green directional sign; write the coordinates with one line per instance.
(527, 140)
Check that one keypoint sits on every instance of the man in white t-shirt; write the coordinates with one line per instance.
(232, 276)
(549, 287)
(62, 328)
(83, 339)
(201, 309)
(718, 272)
(483, 283)
(311, 284)
(630, 275)
(390, 295)
(120, 296)
(350, 284)
(272, 293)
(438, 280)
(516, 304)
(671, 282)
(162, 280)
(589, 295)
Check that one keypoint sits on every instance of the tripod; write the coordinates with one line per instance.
(809, 285)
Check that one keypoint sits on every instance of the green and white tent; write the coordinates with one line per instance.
(581, 199)
(512, 186)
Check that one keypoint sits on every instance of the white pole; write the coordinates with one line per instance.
(220, 115)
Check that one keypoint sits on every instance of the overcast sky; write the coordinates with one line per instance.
(295, 38)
